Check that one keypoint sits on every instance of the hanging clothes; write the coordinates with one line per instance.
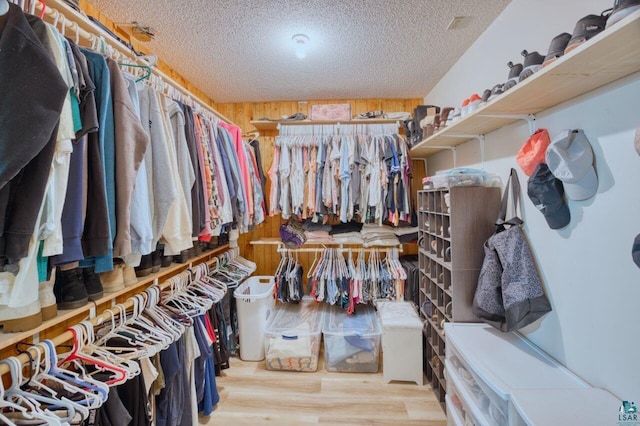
(347, 175)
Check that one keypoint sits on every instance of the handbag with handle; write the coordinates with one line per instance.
(509, 295)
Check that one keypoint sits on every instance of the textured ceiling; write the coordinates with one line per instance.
(241, 50)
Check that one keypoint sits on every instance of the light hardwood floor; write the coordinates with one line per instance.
(252, 395)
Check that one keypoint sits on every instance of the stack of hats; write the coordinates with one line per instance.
(555, 168)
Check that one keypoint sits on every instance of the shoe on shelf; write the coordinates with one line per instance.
(474, 102)
(454, 116)
(145, 267)
(165, 261)
(199, 248)
(497, 90)
(92, 283)
(465, 108)
(622, 9)
(156, 260)
(112, 280)
(444, 116)
(556, 48)
(47, 298)
(129, 276)
(486, 95)
(532, 64)
(585, 29)
(427, 126)
(514, 75)
(69, 289)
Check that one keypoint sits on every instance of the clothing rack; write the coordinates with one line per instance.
(312, 129)
(83, 29)
(340, 248)
(105, 316)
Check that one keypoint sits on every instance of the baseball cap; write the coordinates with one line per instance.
(635, 251)
(546, 193)
(570, 159)
(533, 151)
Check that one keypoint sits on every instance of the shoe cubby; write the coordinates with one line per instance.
(454, 223)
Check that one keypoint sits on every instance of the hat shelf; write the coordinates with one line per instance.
(453, 223)
(609, 56)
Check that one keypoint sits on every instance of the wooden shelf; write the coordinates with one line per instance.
(610, 56)
(273, 125)
(10, 339)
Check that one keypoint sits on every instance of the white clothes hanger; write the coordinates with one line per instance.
(32, 402)
(95, 392)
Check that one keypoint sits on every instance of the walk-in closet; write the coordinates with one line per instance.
(306, 212)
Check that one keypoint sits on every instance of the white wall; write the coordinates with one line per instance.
(587, 268)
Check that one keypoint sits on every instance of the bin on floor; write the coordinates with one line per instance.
(292, 339)
(352, 342)
(254, 302)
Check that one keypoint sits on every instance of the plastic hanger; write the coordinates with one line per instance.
(146, 68)
(36, 382)
(160, 317)
(131, 367)
(119, 374)
(70, 380)
(143, 342)
(31, 401)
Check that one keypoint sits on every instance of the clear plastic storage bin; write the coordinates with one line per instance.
(461, 177)
(352, 342)
(292, 337)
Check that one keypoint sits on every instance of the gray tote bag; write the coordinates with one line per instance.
(509, 294)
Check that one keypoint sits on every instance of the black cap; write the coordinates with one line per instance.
(635, 250)
(546, 192)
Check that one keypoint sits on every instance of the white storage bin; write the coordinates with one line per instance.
(490, 365)
(254, 301)
(464, 401)
(584, 407)
(401, 342)
(352, 342)
(292, 337)
(481, 394)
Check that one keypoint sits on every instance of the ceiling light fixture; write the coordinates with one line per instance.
(301, 41)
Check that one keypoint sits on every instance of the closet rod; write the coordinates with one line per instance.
(340, 249)
(100, 319)
(73, 20)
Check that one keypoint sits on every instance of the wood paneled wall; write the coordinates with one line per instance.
(266, 256)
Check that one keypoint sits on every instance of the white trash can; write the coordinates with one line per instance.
(254, 301)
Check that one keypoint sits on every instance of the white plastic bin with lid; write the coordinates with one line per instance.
(254, 301)
(352, 342)
(490, 365)
(401, 342)
(292, 338)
